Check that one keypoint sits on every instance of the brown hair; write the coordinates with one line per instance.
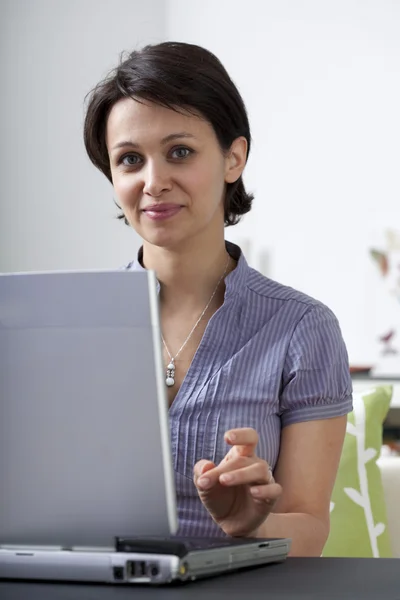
(178, 76)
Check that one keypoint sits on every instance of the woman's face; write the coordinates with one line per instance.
(169, 172)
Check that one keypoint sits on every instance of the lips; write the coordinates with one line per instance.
(158, 212)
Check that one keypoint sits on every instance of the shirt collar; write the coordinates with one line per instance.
(235, 282)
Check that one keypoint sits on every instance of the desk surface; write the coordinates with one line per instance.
(296, 578)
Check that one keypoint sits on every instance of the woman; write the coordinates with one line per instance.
(257, 373)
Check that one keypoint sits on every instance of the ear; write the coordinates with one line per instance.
(235, 161)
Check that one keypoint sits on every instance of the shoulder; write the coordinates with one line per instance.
(312, 331)
(284, 303)
(259, 285)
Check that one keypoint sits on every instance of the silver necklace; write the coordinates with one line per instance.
(170, 376)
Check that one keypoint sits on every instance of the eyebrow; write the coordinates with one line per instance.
(165, 140)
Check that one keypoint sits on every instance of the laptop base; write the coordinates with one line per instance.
(185, 561)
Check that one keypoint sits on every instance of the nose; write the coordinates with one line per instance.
(156, 179)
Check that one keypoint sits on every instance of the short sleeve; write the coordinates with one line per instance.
(316, 376)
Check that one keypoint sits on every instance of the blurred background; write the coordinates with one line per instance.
(321, 80)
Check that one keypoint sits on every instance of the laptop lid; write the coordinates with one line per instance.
(85, 450)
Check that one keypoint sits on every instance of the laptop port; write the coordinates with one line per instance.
(136, 569)
(153, 569)
(118, 573)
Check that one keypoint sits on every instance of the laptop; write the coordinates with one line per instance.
(86, 478)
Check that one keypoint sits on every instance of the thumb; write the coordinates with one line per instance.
(202, 467)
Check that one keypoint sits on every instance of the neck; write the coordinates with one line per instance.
(188, 276)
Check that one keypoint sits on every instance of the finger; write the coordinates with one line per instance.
(210, 477)
(268, 494)
(244, 440)
(257, 473)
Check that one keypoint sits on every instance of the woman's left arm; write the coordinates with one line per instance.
(306, 469)
(239, 492)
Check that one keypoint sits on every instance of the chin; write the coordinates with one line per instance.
(167, 239)
(162, 239)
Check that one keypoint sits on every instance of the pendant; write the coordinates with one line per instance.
(170, 379)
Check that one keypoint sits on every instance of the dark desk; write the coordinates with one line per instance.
(297, 578)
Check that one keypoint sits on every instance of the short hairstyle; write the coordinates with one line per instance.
(178, 76)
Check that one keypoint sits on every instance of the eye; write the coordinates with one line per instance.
(181, 152)
(130, 160)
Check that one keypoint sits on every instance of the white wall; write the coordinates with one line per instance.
(321, 80)
(56, 210)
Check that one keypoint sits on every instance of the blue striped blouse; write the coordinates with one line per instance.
(270, 356)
